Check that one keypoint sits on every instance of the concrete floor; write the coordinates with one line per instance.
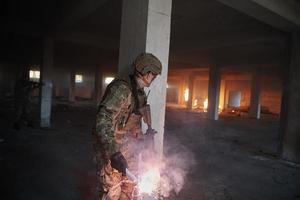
(233, 158)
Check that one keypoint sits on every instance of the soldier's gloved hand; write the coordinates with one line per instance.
(151, 131)
(119, 162)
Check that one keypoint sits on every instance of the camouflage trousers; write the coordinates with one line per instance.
(23, 112)
(111, 184)
(114, 186)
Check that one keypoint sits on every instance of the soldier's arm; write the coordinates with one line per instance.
(34, 84)
(116, 96)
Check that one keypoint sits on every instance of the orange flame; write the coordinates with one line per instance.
(205, 105)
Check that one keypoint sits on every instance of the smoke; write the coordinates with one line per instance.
(177, 162)
(174, 166)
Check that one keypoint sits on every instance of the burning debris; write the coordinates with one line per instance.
(157, 178)
(149, 181)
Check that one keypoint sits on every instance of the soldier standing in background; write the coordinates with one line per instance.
(23, 100)
(119, 122)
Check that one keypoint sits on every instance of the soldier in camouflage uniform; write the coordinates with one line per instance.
(23, 100)
(118, 123)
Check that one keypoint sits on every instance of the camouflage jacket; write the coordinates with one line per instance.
(24, 90)
(118, 104)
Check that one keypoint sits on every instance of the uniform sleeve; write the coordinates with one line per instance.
(116, 96)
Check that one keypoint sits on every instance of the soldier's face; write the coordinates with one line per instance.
(149, 77)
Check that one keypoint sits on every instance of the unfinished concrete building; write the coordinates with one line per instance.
(229, 92)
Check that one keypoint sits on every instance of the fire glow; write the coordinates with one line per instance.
(205, 105)
(186, 94)
(149, 181)
(156, 176)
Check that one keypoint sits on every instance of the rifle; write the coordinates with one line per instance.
(34, 84)
(150, 132)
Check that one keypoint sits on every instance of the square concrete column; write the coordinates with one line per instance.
(254, 110)
(98, 84)
(146, 28)
(290, 112)
(72, 86)
(191, 90)
(213, 93)
(46, 79)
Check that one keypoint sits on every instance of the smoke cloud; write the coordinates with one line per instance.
(177, 162)
(173, 167)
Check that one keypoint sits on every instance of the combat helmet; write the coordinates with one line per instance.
(147, 62)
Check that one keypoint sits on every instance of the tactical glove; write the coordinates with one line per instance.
(119, 162)
(150, 131)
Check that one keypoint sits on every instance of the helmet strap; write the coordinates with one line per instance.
(142, 78)
(147, 84)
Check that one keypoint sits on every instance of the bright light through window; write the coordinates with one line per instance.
(78, 78)
(34, 74)
(108, 80)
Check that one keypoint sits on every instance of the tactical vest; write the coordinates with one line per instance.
(139, 100)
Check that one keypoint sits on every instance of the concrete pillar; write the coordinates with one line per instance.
(98, 84)
(46, 79)
(254, 110)
(191, 90)
(146, 28)
(213, 93)
(290, 112)
(72, 86)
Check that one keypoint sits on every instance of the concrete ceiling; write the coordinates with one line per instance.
(203, 32)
